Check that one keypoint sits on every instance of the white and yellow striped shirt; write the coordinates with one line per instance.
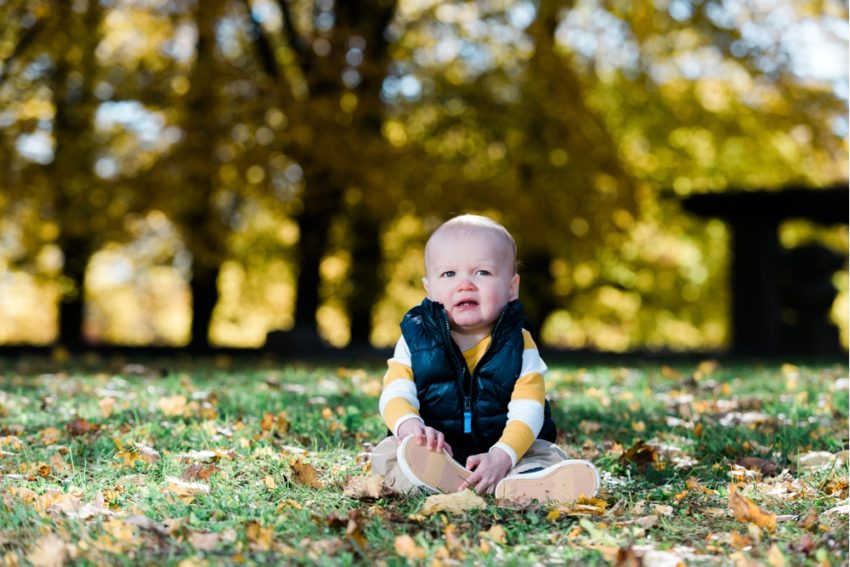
(399, 402)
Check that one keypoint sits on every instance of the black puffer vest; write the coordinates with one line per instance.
(445, 388)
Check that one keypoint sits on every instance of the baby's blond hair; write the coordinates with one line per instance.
(465, 225)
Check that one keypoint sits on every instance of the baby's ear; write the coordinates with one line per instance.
(514, 294)
(425, 285)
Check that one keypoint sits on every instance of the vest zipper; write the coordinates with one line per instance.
(461, 373)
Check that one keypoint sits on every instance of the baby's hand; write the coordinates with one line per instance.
(424, 435)
(489, 469)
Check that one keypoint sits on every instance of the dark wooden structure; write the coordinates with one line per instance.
(780, 298)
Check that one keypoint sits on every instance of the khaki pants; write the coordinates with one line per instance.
(541, 454)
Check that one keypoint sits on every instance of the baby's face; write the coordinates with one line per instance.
(473, 277)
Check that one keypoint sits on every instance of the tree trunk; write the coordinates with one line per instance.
(72, 303)
(313, 224)
(367, 283)
(204, 286)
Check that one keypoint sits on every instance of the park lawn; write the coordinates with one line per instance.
(223, 462)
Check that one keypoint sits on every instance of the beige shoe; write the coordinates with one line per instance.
(433, 471)
(562, 483)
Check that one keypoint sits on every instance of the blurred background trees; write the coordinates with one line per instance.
(204, 173)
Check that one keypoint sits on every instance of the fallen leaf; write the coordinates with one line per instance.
(259, 537)
(198, 471)
(763, 466)
(305, 473)
(173, 405)
(406, 547)
(455, 503)
(647, 522)
(369, 487)
(775, 557)
(745, 510)
(640, 454)
(50, 435)
(49, 551)
(817, 460)
(106, 406)
(203, 541)
(186, 491)
(663, 509)
(843, 509)
(269, 482)
(147, 454)
(496, 533)
(206, 456)
(80, 426)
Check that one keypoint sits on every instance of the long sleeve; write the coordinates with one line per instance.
(525, 410)
(398, 401)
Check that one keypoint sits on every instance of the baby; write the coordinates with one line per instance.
(466, 381)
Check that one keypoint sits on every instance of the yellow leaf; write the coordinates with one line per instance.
(259, 538)
(553, 515)
(269, 482)
(455, 503)
(407, 548)
(746, 510)
(172, 406)
(496, 533)
(775, 557)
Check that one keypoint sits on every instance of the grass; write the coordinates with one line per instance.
(223, 462)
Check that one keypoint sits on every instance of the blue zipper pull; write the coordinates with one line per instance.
(467, 415)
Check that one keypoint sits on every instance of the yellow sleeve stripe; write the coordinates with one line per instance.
(397, 371)
(518, 437)
(395, 409)
(530, 387)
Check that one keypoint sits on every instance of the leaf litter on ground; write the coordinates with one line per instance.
(218, 463)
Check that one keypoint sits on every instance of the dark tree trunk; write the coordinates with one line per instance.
(72, 303)
(313, 226)
(366, 280)
(204, 286)
(536, 287)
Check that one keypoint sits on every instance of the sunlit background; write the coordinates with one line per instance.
(577, 127)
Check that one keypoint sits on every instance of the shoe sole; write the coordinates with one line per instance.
(563, 483)
(433, 471)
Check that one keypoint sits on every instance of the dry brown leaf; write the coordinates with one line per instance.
(305, 473)
(640, 454)
(198, 472)
(50, 435)
(406, 547)
(745, 510)
(202, 541)
(663, 509)
(369, 487)
(763, 466)
(49, 551)
(455, 503)
(186, 491)
(80, 426)
(269, 482)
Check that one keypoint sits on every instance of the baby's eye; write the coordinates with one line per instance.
(483, 272)
(449, 274)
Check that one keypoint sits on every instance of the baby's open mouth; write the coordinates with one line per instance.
(467, 304)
